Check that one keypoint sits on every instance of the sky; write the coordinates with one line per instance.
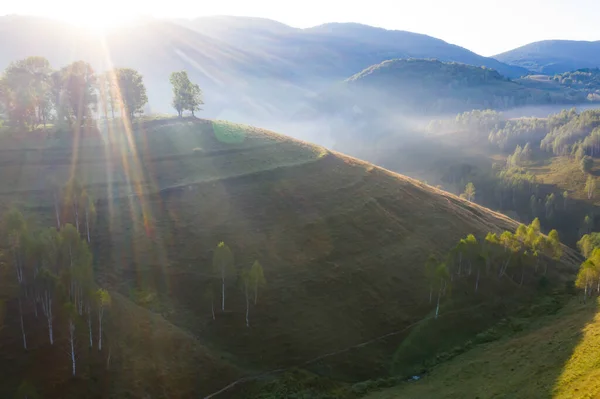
(486, 27)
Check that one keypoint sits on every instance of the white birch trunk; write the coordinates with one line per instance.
(56, 211)
(247, 307)
(72, 342)
(47, 309)
(437, 308)
(87, 224)
(223, 288)
(477, 281)
(89, 317)
(100, 315)
(22, 325)
(76, 210)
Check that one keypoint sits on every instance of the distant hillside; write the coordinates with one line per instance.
(342, 243)
(554, 56)
(430, 87)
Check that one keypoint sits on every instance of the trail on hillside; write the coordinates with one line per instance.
(316, 359)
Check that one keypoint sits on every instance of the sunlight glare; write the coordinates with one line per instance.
(99, 21)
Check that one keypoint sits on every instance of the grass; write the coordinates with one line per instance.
(342, 243)
(553, 356)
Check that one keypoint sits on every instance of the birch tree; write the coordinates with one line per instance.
(89, 210)
(103, 300)
(72, 315)
(257, 278)
(590, 186)
(470, 192)
(47, 282)
(209, 295)
(442, 278)
(73, 192)
(246, 282)
(223, 265)
(430, 273)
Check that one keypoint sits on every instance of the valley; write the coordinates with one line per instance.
(420, 222)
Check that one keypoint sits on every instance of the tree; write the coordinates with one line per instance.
(72, 314)
(527, 153)
(587, 273)
(565, 199)
(470, 192)
(89, 210)
(73, 198)
(588, 243)
(246, 282)
(550, 201)
(210, 296)
(442, 277)
(78, 89)
(47, 282)
(586, 164)
(186, 95)
(103, 301)
(590, 186)
(131, 91)
(223, 264)
(430, 273)
(257, 278)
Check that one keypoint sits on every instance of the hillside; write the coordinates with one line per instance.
(396, 94)
(552, 356)
(552, 57)
(342, 243)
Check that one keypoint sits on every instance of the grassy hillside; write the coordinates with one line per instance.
(554, 56)
(553, 356)
(342, 243)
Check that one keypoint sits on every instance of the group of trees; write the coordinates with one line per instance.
(32, 93)
(588, 277)
(506, 255)
(250, 279)
(521, 156)
(53, 274)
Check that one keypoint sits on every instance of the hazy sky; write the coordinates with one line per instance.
(486, 27)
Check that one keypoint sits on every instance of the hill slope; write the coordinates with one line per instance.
(342, 243)
(554, 56)
(553, 357)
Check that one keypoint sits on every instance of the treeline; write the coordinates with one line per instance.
(514, 256)
(565, 133)
(33, 93)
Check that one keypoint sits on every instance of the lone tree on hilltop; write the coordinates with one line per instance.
(470, 192)
(187, 96)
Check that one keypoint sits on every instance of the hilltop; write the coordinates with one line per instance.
(552, 57)
(342, 243)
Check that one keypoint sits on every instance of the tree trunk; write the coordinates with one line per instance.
(56, 211)
(223, 288)
(22, 325)
(247, 307)
(89, 312)
(87, 224)
(212, 307)
(522, 275)
(477, 281)
(72, 342)
(76, 210)
(100, 314)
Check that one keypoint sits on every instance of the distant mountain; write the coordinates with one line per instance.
(337, 49)
(554, 56)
